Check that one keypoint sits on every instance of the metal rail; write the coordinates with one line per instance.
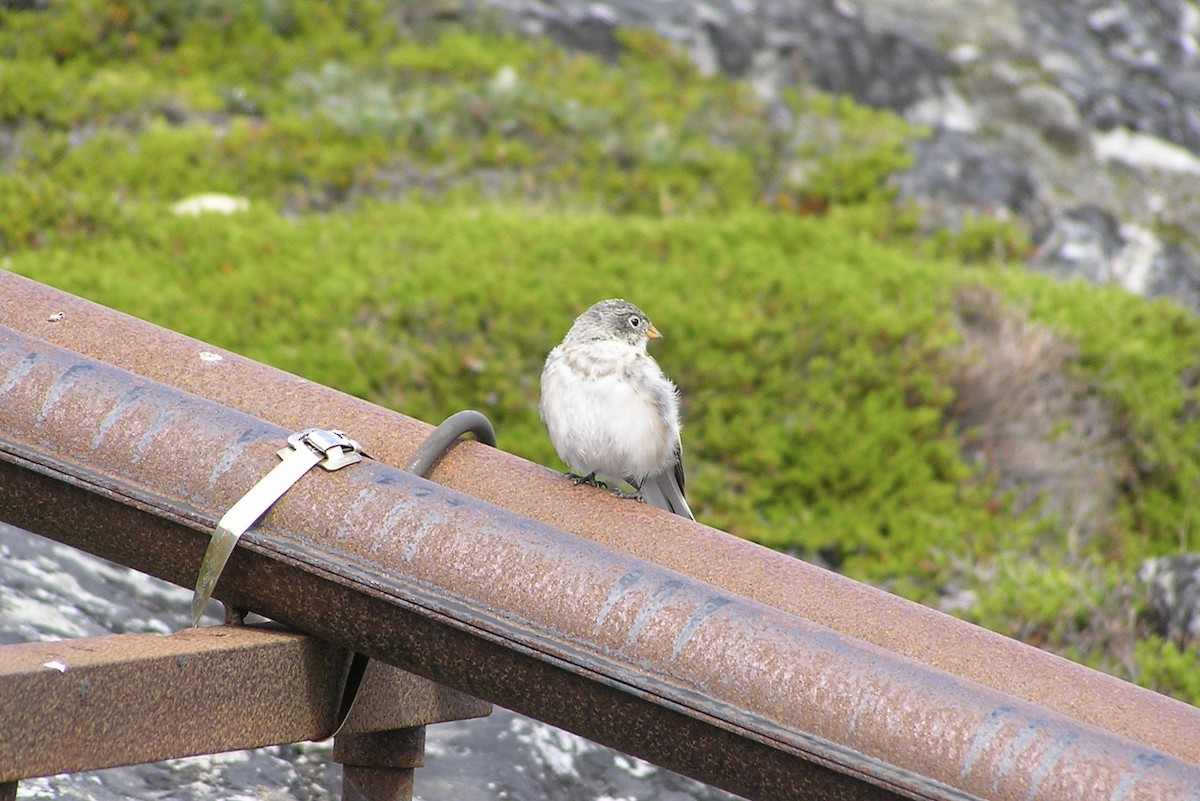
(74, 704)
(728, 563)
(691, 676)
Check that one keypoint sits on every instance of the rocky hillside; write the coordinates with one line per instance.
(1079, 120)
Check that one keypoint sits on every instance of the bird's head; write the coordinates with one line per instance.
(614, 319)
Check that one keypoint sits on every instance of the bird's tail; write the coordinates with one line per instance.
(663, 491)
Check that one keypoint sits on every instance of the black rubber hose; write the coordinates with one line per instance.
(468, 421)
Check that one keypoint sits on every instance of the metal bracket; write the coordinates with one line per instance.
(331, 450)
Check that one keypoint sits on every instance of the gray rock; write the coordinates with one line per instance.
(590, 33)
(822, 42)
(1175, 274)
(1174, 583)
(888, 69)
(736, 45)
(1087, 242)
(1080, 243)
(956, 171)
(1128, 63)
(1052, 112)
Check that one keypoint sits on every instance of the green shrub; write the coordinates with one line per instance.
(1164, 667)
(981, 240)
(810, 358)
(312, 106)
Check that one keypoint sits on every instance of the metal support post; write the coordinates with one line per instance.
(378, 766)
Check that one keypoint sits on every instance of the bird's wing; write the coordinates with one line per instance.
(665, 489)
(679, 465)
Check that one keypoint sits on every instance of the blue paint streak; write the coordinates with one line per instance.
(703, 613)
(115, 413)
(624, 584)
(650, 608)
(68, 379)
(984, 736)
(1141, 764)
(231, 455)
(22, 369)
(161, 421)
(350, 522)
(1062, 744)
(1019, 744)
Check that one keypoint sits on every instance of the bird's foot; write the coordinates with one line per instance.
(589, 479)
(630, 496)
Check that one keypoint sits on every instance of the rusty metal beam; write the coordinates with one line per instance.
(690, 676)
(731, 564)
(130, 698)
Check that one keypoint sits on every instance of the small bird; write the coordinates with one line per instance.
(610, 410)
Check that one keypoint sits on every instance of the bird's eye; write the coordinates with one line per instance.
(635, 321)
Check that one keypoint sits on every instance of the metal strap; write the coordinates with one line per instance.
(331, 450)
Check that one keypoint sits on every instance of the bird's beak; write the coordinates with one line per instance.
(652, 333)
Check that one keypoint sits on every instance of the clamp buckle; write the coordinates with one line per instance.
(337, 449)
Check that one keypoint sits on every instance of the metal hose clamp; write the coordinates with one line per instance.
(331, 450)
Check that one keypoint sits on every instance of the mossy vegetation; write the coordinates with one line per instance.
(433, 200)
